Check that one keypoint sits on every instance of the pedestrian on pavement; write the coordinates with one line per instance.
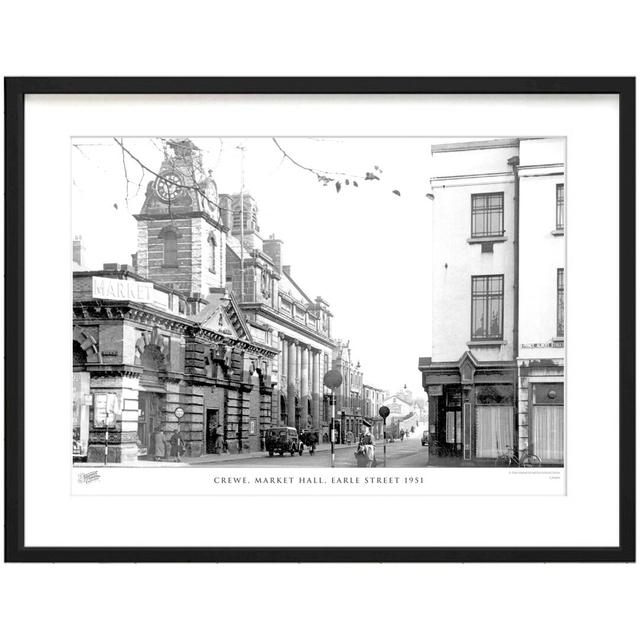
(366, 449)
(313, 442)
(177, 444)
(217, 441)
(158, 444)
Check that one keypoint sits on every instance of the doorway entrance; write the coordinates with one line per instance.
(150, 406)
(212, 434)
(449, 423)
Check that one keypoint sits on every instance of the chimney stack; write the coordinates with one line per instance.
(273, 248)
(78, 251)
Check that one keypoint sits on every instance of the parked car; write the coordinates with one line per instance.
(425, 437)
(282, 440)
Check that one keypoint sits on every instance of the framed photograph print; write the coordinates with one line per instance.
(320, 319)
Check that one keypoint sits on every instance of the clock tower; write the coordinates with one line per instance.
(181, 234)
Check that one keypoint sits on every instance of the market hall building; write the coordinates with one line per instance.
(167, 334)
(496, 375)
(282, 315)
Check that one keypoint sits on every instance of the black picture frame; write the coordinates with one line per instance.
(15, 91)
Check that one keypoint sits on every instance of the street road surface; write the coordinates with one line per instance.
(409, 453)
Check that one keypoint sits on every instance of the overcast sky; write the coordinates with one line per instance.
(365, 250)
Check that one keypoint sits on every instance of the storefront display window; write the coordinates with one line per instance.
(494, 419)
(548, 393)
(81, 403)
(547, 422)
(494, 394)
(454, 397)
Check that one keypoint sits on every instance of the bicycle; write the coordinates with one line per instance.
(436, 449)
(523, 459)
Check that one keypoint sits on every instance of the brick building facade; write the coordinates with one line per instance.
(208, 320)
(169, 334)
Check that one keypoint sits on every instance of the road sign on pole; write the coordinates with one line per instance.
(333, 379)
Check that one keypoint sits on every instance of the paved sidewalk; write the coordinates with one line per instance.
(218, 457)
(210, 458)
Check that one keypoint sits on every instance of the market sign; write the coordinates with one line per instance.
(114, 289)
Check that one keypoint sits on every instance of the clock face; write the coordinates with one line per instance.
(167, 185)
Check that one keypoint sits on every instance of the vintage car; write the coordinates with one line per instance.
(425, 438)
(282, 440)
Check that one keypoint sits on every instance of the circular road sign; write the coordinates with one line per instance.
(384, 411)
(332, 379)
(179, 412)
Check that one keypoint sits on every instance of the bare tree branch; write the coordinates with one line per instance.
(325, 177)
(319, 173)
(126, 175)
(193, 187)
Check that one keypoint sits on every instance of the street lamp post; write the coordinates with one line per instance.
(384, 414)
(333, 379)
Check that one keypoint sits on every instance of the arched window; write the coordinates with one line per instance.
(212, 253)
(169, 236)
(170, 249)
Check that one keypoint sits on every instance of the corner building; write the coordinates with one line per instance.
(167, 334)
(497, 276)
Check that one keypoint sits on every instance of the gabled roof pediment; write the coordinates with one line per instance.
(467, 365)
(219, 322)
(222, 315)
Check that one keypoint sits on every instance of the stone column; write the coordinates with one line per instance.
(291, 382)
(315, 390)
(304, 387)
(277, 378)
(283, 355)
(298, 378)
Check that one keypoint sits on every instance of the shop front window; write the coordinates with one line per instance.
(547, 422)
(454, 397)
(494, 394)
(494, 419)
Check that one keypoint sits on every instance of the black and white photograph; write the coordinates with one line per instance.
(364, 319)
(318, 302)
(320, 320)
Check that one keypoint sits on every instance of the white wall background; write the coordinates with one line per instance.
(542, 254)
(455, 261)
(401, 38)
